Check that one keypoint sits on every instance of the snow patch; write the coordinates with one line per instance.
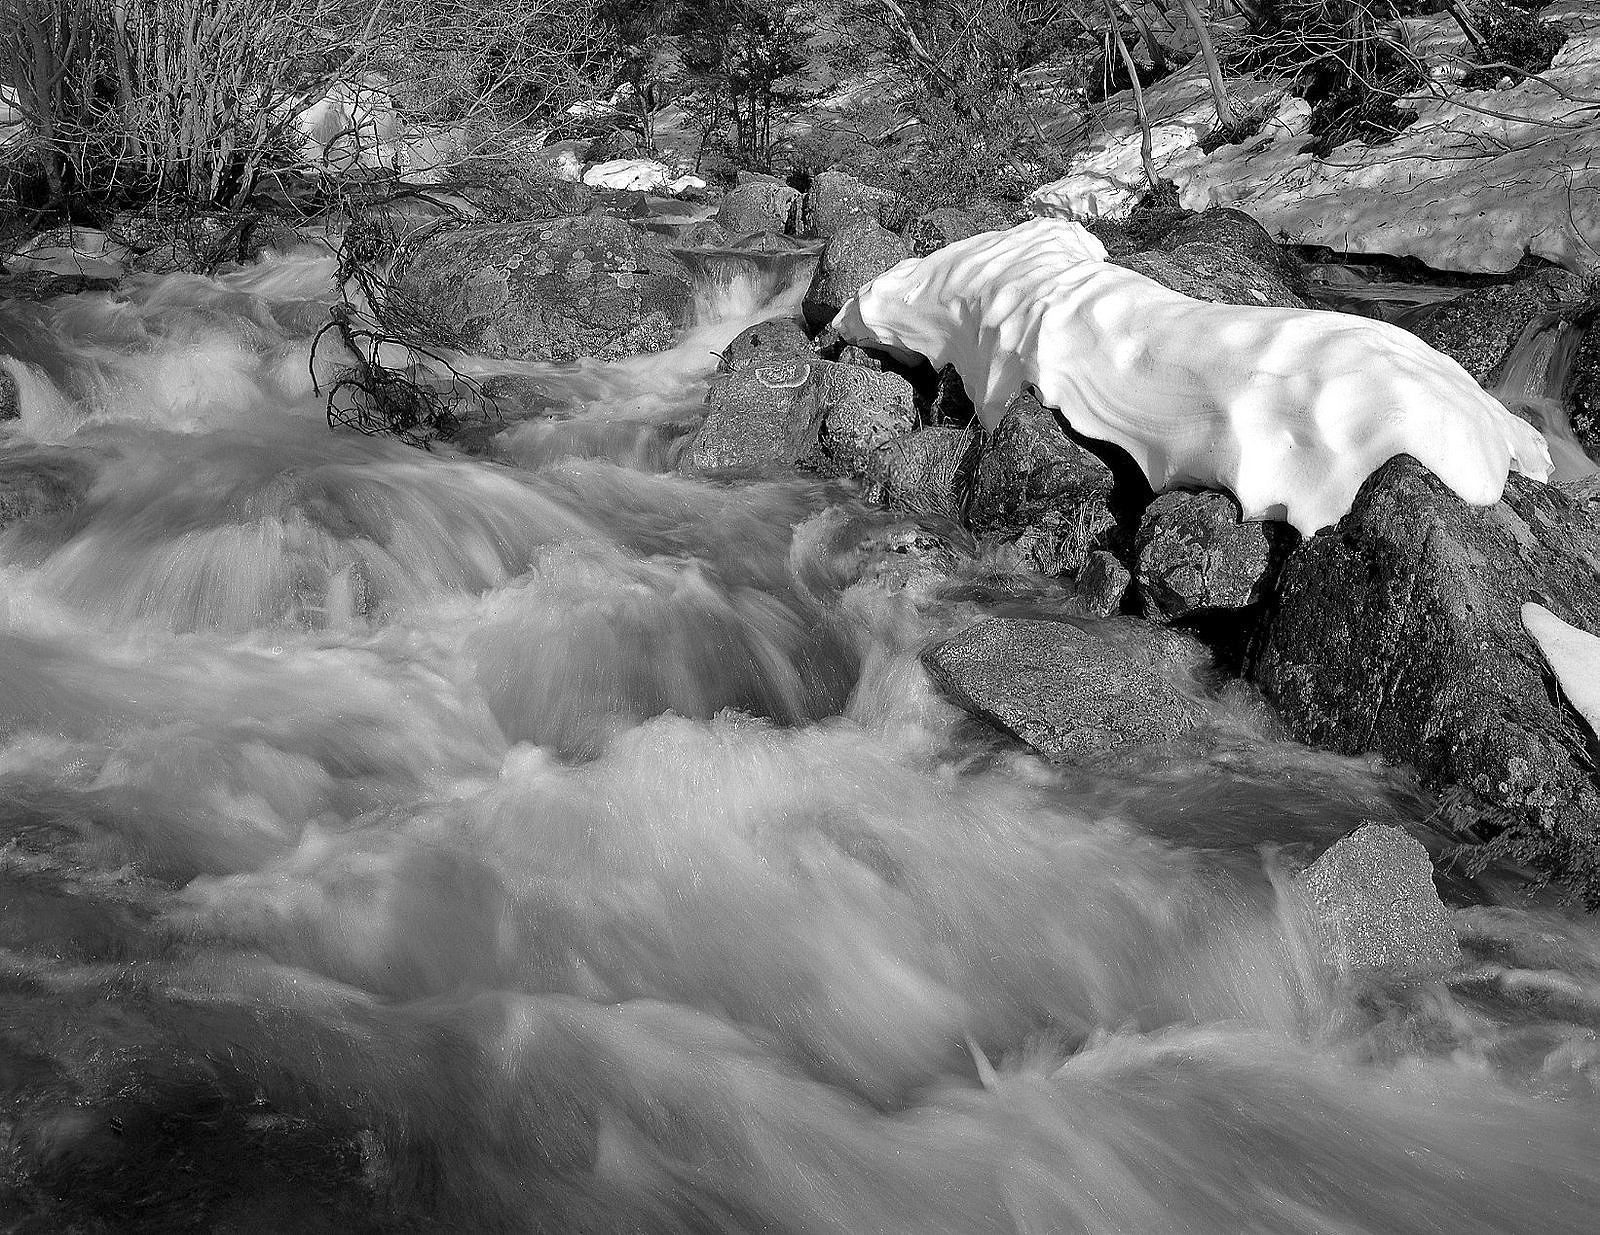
(1290, 409)
(1573, 656)
(640, 175)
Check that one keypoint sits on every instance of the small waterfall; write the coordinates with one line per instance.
(1533, 376)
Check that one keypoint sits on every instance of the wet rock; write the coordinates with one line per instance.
(1069, 695)
(930, 232)
(1039, 491)
(775, 340)
(1194, 554)
(1102, 584)
(926, 472)
(552, 291)
(836, 199)
(193, 241)
(36, 484)
(1399, 632)
(1582, 393)
(900, 559)
(857, 253)
(1477, 329)
(826, 417)
(1373, 909)
(10, 397)
(762, 206)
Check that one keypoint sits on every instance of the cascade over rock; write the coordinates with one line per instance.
(553, 290)
(1399, 632)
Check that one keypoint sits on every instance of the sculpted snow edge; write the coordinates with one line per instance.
(1289, 409)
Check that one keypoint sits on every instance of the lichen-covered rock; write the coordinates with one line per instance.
(1194, 554)
(837, 199)
(1372, 907)
(825, 417)
(763, 206)
(1071, 696)
(1038, 490)
(926, 472)
(1478, 328)
(856, 254)
(774, 340)
(1399, 632)
(553, 291)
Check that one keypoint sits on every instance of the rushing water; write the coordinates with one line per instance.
(550, 841)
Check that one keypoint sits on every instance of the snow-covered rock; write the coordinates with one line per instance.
(640, 175)
(1290, 409)
(1573, 656)
(355, 124)
(1482, 178)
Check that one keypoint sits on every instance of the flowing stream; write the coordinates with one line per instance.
(545, 840)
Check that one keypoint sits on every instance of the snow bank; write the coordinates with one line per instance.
(1482, 178)
(1573, 656)
(356, 124)
(1290, 409)
(645, 175)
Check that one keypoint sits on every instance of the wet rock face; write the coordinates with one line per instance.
(1069, 695)
(1195, 555)
(34, 484)
(1477, 329)
(552, 291)
(837, 199)
(1399, 632)
(10, 397)
(825, 417)
(927, 472)
(1039, 491)
(1372, 907)
(764, 206)
(857, 253)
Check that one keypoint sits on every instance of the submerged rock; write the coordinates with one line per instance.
(1040, 492)
(1371, 904)
(856, 254)
(1195, 554)
(826, 417)
(553, 291)
(1071, 696)
(35, 484)
(837, 199)
(10, 397)
(1399, 632)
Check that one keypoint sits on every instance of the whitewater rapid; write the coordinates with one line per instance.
(544, 839)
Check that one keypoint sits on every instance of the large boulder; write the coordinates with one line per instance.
(837, 199)
(856, 254)
(1195, 555)
(553, 291)
(762, 206)
(1478, 328)
(1070, 695)
(1372, 908)
(1040, 492)
(825, 417)
(930, 232)
(1399, 632)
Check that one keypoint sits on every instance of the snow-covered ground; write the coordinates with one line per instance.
(1481, 179)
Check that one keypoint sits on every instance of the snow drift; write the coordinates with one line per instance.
(1290, 409)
